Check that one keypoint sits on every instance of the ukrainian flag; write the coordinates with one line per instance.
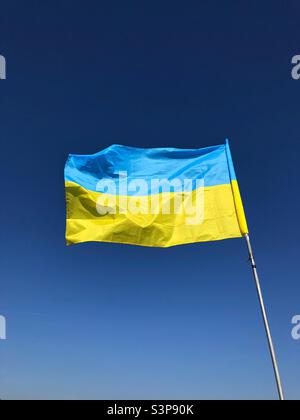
(153, 197)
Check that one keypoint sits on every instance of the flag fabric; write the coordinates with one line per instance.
(153, 197)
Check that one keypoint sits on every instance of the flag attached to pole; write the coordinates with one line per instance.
(153, 197)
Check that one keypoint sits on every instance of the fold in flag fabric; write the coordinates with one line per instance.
(153, 197)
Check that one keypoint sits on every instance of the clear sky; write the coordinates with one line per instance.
(106, 321)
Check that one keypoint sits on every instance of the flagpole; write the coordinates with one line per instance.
(265, 318)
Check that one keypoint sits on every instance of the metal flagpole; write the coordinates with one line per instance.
(265, 317)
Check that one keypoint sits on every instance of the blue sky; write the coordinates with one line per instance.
(105, 321)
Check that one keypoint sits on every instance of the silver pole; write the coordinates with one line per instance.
(266, 322)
